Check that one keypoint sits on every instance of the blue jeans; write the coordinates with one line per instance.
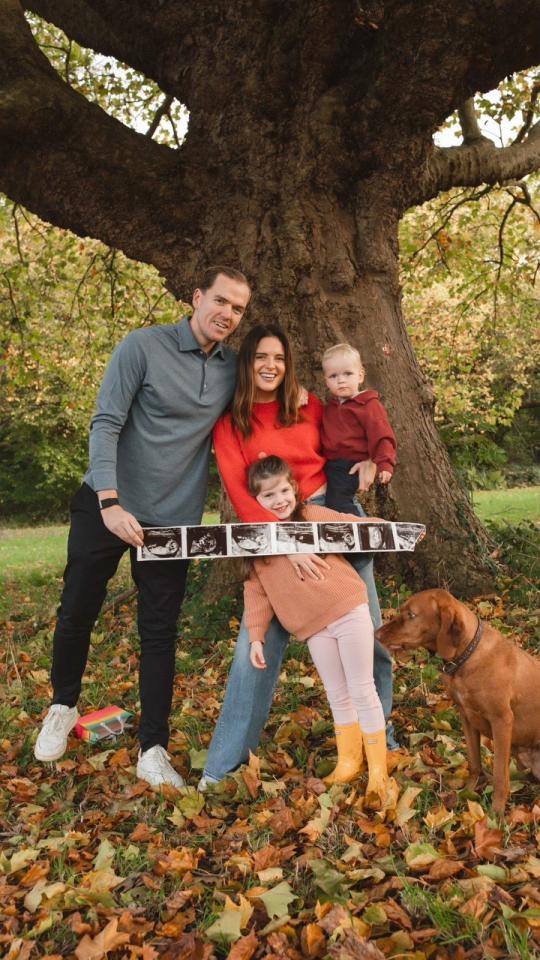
(249, 692)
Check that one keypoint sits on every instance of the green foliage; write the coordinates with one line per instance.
(519, 547)
(469, 269)
(64, 303)
(210, 620)
(474, 327)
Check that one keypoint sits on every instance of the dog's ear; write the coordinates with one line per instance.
(451, 629)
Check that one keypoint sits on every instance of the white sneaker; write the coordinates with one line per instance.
(154, 767)
(52, 739)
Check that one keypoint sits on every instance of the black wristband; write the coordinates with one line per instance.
(108, 502)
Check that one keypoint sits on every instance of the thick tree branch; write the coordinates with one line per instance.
(148, 36)
(474, 164)
(469, 122)
(45, 126)
(80, 22)
(145, 39)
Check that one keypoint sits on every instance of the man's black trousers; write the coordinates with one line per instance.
(93, 556)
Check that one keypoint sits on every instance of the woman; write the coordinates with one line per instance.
(265, 419)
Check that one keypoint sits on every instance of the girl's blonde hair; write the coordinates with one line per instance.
(342, 350)
(271, 468)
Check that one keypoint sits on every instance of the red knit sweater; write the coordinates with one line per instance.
(358, 429)
(299, 445)
(303, 607)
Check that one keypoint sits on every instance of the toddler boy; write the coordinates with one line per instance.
(354, 428)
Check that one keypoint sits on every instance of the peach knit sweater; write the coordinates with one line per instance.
(303, 607)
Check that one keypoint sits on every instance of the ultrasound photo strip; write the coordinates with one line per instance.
(208, 541)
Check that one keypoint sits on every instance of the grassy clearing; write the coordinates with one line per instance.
(32, 561)
(38, 549)
(511, 506)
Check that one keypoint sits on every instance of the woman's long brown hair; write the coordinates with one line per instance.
(242, 415)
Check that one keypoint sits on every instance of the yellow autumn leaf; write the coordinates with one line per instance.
(404, 806)
(436, 819)
(42, 889)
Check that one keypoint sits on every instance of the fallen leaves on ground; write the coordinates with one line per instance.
(271, 862)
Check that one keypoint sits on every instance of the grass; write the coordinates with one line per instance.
(32, 561)
(40, 549)
(512, 506)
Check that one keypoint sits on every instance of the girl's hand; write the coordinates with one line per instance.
(308, 565)
(385, 476)
(367, 471)
(256, 655)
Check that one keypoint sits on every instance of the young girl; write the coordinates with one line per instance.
(332, 615)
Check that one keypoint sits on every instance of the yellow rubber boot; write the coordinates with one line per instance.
(379, 783)
(349, 751)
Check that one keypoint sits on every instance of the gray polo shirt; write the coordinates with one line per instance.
(151, 433)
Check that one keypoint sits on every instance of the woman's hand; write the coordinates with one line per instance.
(367, 471)
(308, 565)
(256, 655)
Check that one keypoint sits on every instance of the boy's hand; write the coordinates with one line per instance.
(303, 397)
(367, 471)
(256, 655)
(385, 476)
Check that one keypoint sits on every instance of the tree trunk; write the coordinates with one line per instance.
(338, 281)
(310, 134)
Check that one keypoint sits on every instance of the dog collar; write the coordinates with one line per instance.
(451, 666)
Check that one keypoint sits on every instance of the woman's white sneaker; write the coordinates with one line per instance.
(52, 738)
(154, 767)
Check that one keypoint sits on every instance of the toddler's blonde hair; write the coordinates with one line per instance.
(342, 350)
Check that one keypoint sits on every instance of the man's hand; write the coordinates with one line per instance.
(123, 524)
(256, 655)
(385, 476)
(308, 565)
(367, 471)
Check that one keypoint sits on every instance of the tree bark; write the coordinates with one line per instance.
(310, 133)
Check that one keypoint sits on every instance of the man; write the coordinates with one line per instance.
(163, 390)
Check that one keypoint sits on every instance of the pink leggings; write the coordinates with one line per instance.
(343, 655)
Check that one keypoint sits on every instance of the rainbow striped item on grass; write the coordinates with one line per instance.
(105, 724)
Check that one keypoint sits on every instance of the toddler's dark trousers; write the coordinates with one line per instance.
(93, 556)
(341, 486)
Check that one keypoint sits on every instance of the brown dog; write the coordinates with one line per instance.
(495, 684)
